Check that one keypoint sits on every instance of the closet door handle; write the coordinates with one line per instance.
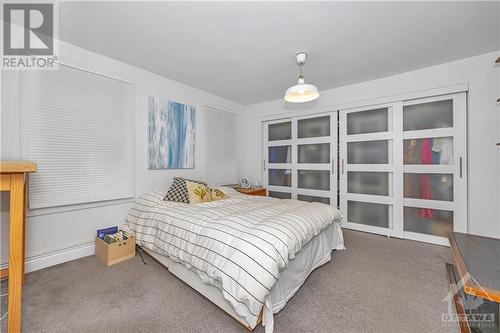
(460, 162)
(342, 166)
(333, 166)
(264, 164)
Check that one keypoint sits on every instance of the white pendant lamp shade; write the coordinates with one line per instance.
(301, 92)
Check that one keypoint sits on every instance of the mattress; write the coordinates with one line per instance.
(314, 254)
(239, 245)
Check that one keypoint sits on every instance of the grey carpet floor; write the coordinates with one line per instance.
(378, 284)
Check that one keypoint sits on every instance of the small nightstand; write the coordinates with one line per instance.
(252, 191)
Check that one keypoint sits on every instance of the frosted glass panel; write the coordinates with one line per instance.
(311, 198)
(314, 179)
(313, 127)
(280, 177)
(432, 186)
(368, 152)
(280, 154)
(376, 183)
(428, 221)
(371, 121)
(428, 115)
(280, 131)
(368, 213)
(314, 153)
(428, 151)
(280, 195)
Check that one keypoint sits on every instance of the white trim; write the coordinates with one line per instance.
(426, 238)
(370, 198)
(429, 168)
(218, 108)
(71, 208)
(279, 143)
(313, 193)
(367, 228)
(38, 262)
(276, 188)
(314, 166)
(397, 176)
(376, 136)
(82, 68)
(375, 102)
(433, 204)
(284, 166)
(372, 103)
(430, 133)
(313, 140)
(369, 167)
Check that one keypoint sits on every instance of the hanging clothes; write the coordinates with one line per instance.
(425, 186)
(426, 152)
(410, 153)
(445, 148)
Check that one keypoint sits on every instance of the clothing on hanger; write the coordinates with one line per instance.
(425, 186)
(444, 146)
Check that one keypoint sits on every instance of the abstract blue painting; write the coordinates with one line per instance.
(171, 133)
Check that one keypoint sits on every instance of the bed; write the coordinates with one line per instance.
(247, 254)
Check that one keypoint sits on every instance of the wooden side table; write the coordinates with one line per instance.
(252, 191)
(13, 180)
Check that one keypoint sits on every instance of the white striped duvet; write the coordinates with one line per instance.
(238, 244)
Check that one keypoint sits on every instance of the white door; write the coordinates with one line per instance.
(277, 158)
(434, 167)
(367, 169)
(299, 158)
(403, 169)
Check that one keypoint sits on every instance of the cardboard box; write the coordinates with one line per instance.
(110, 254)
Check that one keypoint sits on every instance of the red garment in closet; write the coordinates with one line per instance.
(425, 186)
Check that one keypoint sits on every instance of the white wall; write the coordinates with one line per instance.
(483, 124)
(57, 235)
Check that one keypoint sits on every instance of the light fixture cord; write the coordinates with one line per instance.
(301, 76)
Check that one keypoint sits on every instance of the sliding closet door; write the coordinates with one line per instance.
(278, 146)
(299, 158)
(314, 164)
(434, 165)
(367, 169)
(403, 168)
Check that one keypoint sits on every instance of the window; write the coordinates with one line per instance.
(78, 128)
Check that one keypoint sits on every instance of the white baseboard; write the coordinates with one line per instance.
(58, 257)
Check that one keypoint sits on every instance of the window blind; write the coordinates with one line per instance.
(78, 128)
(220, 154)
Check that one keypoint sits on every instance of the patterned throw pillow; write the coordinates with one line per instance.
(178, 191)
(198, 193)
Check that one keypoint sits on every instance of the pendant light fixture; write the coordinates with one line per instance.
(301, 92)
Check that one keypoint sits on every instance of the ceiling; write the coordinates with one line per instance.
(245, 51)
